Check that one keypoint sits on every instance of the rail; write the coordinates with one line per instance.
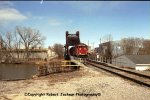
(128, 74)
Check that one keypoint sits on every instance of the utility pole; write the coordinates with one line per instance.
(100, 40)
(99, 46)
(93, 45)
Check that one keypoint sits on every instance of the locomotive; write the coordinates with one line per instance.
(80, 50)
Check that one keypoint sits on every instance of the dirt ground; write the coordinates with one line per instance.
(85, 84)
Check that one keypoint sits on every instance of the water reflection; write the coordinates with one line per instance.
(17, 71)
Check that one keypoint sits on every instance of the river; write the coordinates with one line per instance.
(17, 71)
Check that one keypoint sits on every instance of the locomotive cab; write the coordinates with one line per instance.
(81, 50)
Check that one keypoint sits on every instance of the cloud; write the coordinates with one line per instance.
(11, 14)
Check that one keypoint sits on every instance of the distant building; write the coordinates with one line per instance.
(50, 52)
(103, 48)
(33, 54)
(138, 62)
(115, 49)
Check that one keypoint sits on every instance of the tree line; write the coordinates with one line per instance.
(129, 46)
(133, 45)
(58, 49)
(126, 46)
(24, 38)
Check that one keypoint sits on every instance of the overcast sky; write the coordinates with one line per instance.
(94, 19)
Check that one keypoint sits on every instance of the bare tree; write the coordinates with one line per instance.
(126, 46)
(131, 45)
(1, 47)
(146, 47)
(107, 38)
(25, 38)
(17, 44)
(10, 45)
(29, 38)
(1, 42)
(7, 46)
(59, 49)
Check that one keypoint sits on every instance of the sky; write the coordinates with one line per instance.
(93, 19)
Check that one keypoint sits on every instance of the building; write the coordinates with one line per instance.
(138, 62)
(40, 54)
(21, 54)
(51, 53)
(104, 51)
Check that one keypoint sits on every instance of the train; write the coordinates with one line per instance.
(80, 50)
(74, 47)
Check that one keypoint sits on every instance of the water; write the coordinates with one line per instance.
(17, 71)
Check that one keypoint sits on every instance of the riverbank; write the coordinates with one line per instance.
(85, 84)
(28, 70)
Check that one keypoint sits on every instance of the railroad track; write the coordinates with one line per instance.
(128, 74)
